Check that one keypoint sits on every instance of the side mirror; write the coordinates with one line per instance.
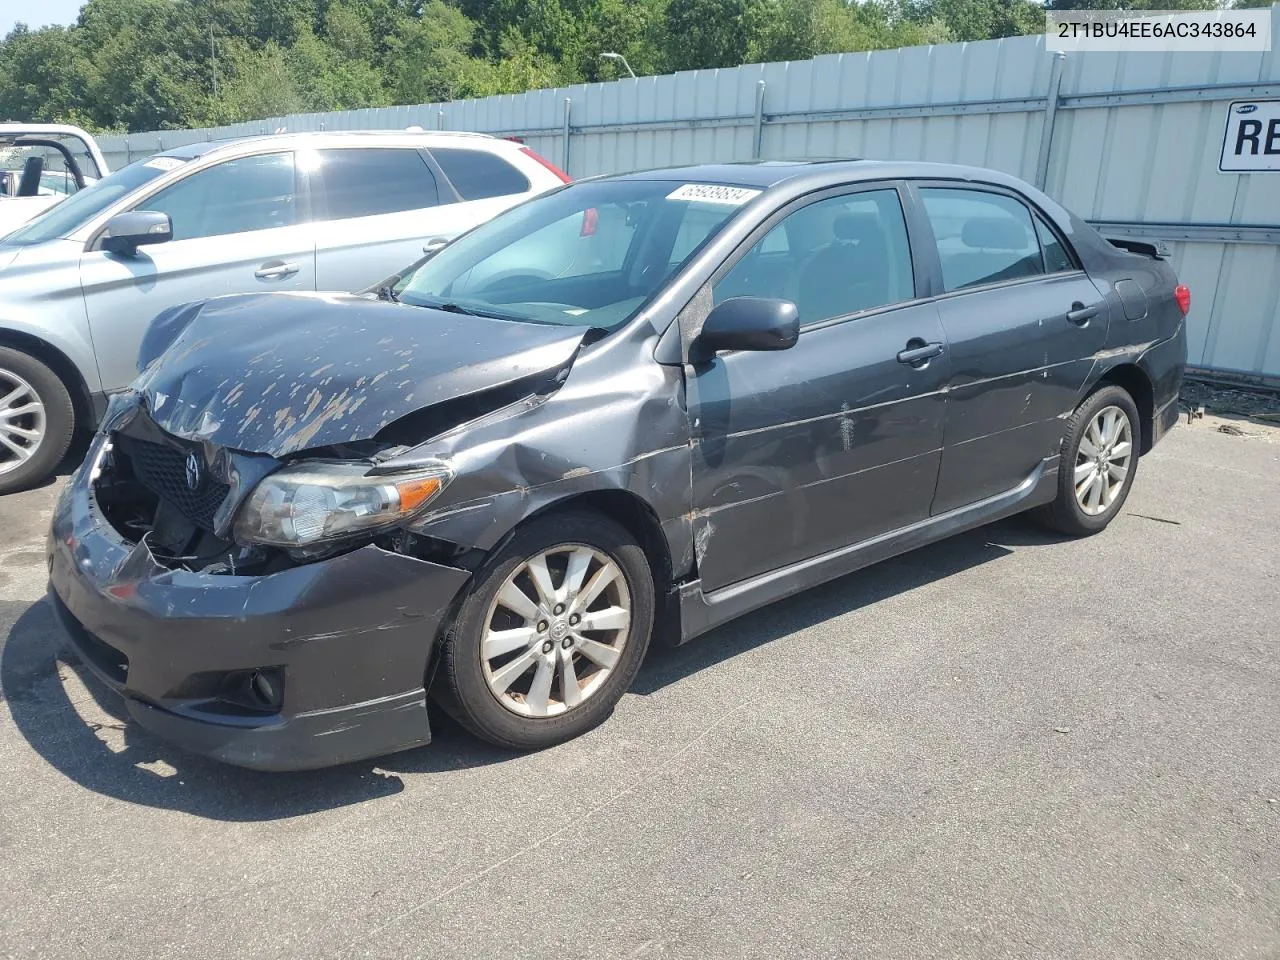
(747, 323)
(126, 232)
(434, 246)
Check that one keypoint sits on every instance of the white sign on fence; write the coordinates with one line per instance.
(1252, 138)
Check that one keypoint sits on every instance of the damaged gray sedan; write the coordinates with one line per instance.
(639, 406)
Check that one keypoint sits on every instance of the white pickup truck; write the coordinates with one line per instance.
(41, 165)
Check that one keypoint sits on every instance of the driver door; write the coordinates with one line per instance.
(837, 439)
(238, 227)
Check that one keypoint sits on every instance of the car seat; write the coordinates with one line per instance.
(849, 274)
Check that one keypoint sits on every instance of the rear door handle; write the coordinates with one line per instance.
(1080, 315)
(918, 353)
(275, 270)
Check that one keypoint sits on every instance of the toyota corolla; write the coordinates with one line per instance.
(637, 407)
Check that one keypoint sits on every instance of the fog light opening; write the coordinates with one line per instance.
(266, 689)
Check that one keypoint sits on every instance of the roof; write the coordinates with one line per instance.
(188, 151)
(752, 173)
(817, 173)
(11, 128)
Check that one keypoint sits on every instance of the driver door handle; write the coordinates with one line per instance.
(1080, 315)
(275, 270)
(918, 353)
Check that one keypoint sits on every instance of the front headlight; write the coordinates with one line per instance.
(328, 500)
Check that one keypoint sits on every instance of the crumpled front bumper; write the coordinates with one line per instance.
(351, 637)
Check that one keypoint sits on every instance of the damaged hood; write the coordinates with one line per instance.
(279, 373)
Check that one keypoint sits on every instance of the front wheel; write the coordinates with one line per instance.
(551, 635)
(37, 420)
(1098, 465)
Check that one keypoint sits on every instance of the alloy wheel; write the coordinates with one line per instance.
(22, 421)
(556, 630)
(1102, 460)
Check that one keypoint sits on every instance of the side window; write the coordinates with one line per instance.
(832, 258)
(1056, 258)
(362, 182)
(982, 237)
(478, 175)
(238, 196)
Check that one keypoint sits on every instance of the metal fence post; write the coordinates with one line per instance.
(1050, 115)
(757, 135)
(128, 152)
(439, 119)
(564, 159)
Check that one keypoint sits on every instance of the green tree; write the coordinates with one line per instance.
(260, 83)
(43, 75)
(983, 19)
(347, 32)
(709, 33)
(428, 57)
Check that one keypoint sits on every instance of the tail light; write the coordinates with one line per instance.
(590, 220)
(548, 164)
(1182, 293)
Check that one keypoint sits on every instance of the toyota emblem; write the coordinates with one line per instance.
(195, 472)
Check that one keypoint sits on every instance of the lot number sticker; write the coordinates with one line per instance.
(713, 193)
(1252, 139)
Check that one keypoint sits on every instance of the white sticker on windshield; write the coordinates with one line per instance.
(714, 193)
(164, 163)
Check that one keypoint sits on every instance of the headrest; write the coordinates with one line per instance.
(851, 227)
(994, 233)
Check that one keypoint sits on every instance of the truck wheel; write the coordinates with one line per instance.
(1099, 461)
(551, 635)
(37, 420)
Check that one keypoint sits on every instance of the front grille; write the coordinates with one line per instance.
(162, 469)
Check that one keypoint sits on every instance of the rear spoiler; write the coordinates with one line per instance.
(1155, 249)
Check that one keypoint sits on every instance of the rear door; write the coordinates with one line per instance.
(239, 226)
(375, 208)
(1023, 321)
(838, 439)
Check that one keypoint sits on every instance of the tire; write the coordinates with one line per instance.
(1081, 516)
(535, 642)
(35, 389)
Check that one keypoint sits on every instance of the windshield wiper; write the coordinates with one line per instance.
(449, 306)
(452, 306)
(387, 292)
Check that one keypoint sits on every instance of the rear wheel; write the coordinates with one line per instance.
(37, 420)
(552, 635)
(1098, 465)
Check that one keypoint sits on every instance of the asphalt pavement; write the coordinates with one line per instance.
(1004, 745)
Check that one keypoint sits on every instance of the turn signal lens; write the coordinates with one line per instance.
(415, 493)
(1182, 293)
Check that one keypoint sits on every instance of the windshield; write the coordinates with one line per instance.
(589, 255)
(72, 213)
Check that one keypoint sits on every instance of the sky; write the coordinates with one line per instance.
(37, 13)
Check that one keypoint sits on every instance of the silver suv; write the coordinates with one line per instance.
(324, 211)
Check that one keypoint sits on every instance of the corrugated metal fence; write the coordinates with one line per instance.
(1129, 141)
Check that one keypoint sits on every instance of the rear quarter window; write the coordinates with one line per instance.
(1056, 257)
(479, 175)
